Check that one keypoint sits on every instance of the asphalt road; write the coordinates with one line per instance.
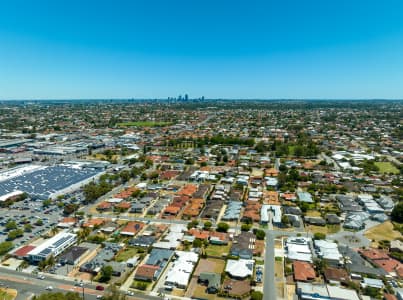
(28, 284)
(269, 283)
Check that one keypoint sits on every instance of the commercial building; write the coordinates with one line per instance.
(52, 247)
(45, 182)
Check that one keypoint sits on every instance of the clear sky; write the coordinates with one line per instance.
(61, 49)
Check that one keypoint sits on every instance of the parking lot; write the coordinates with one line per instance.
(29, 212)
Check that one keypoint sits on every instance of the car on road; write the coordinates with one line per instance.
(49, 288)
(100, 297)
(99, 288)
(41, 277)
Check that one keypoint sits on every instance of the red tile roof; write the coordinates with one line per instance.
(23, 251)
(374, 254)
(303, 271)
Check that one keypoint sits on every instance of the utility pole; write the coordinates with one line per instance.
(83, 290)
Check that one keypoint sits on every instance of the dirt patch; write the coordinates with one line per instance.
(237, 287)
(382, 231)
(210, 265)
(290, 291)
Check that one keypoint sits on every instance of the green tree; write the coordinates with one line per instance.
(46, 203)
(246, 227)
(10, 225)
(207, 225)
(319, 236)
(58, 296)
(39, 222)
(106, 274)
(285, 220)
(260, 234)
(256, 295)
(28, 227)
(222, 227)
(397, 213)
(13, 234)
(5, 247)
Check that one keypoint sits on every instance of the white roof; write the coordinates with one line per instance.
(299, 256)
(9, 195)
(240, 268)
(181, 268)
(54, 243)
(340, 293)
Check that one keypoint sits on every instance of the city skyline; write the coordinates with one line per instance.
(148, 50)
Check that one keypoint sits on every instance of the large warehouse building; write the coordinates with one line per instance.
(43, 182)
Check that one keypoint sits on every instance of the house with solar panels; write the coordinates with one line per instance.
(52, 247)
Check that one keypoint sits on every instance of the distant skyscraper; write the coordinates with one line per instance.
(186, 97)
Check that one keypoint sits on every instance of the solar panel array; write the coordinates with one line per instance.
(44, 182)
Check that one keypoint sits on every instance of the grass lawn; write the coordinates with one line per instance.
(10, 294)
(144, 124)
(386, 167)
(217, 250)
(317, 229)
(333, 228)
(313, 213)
(382, 231)
(126, 254)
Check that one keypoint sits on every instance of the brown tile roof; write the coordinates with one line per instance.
(199, 234)
(132, 228)
(374, 254)
(389, 297)
(123, 205)
(389, 265)
(336, 274)
(303, 271)
(146, 271)
(104, 205)
(126, 193)
(93, 222)
(172, 210)
(188, 190)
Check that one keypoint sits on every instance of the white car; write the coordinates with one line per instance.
(41, 277)
(49, 288)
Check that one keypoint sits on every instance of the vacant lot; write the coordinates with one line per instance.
(382, 231)
(210, 265)
(386, 167)
(217, 250)
(144, 124)
(328, 229)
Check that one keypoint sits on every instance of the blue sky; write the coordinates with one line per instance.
(216, 48)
